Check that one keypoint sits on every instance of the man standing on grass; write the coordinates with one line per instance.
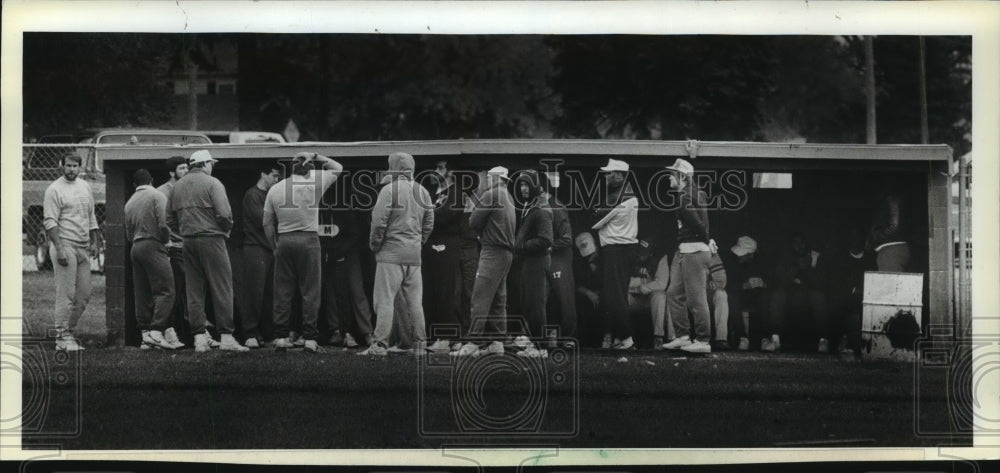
(258, 255)
(402, 220)
(199, 211)
(291, 222)
(177, 167)
(494, 219)
(691, 265)
(153, 281)
(71, 226)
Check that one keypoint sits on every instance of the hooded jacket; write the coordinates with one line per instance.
(403, 216)
(534, 236)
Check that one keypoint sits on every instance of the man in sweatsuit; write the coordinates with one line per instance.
(532, 244)
(291, 221)
(199, 211)
(494, 220)
(562, 292)
(177, 167)
(617, 225)
(447, 285)
(258, 257)
(689, 270)
(153, 281)
(402, 220)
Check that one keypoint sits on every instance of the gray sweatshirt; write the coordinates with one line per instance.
(403, 216)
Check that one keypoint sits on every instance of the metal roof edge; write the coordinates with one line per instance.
(686, 149)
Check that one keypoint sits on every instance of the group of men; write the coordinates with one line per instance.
(450, 252)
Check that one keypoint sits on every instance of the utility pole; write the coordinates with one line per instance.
(925, 134)
(192, 80)
(870, 89)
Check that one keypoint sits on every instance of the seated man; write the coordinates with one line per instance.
(647, 290)
(744, 287)
(797, 288)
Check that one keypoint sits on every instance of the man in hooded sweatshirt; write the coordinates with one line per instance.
(532, 245)
(402, 220)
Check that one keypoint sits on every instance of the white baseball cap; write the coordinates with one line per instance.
(615, 165)
(682, 166)
(201, 156)
(499, 171)
(744, 245)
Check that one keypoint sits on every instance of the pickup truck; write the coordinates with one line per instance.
(41, 166)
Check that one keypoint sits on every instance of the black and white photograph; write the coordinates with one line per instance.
(323, 239)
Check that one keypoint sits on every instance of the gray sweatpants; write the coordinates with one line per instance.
(687, 292)
(153, 285)
(207, 266)
(405, 281)
(297, 264)
(489, 293)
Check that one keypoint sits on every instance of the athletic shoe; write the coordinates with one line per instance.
(170, 335)
(397, 350)
(606, 344)
(823, 346)
(469, 349)
(744, 344)
(147, 343)
(230, 344)
(145, 346)
(68, 343)
(311, 346)
(296, 339)
(658, 343)
(721, 345)
(251, 343)
(349, 341)
(532, 352)
(440, 346)
(456, 346)
(522, 342)
(376, 349)
(156, 338)
(282, 344)
(201, 343)
(494, 348)
(769, 346)
(697, 346)
(626, 344)
(336, 339)
(677, 343)
(212, 343)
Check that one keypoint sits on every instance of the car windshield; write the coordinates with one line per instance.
(151, 139)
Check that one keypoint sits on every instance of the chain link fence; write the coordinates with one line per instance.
(41, 164)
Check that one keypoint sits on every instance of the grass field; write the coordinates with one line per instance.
(38, 304)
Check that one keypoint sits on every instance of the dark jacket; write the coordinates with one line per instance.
(450, 218)
(562, 231)
(534, 236)
(348, 233)
(692, 216)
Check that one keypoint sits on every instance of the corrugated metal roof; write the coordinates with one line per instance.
(548, 147)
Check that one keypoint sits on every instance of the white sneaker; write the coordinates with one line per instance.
(374, 349)
(494, 348)
(251, 343)
(68, 343)
(147, 343)
(697, 346)
(532, 352)
(823, 346)
(170, 335)
(311, 346)
(213, 343)
(624, 344)
(296, 339)
(771, 346)
(469, 349)
(522, 341)
(396, 349)
(440, 346)
(677, 343)
(230, 344)
(282, 344)
(744, 344)
(349, 341)
(201, 343)
(156, 338)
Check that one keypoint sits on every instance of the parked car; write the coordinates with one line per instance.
(241, 137)
(41, 167)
